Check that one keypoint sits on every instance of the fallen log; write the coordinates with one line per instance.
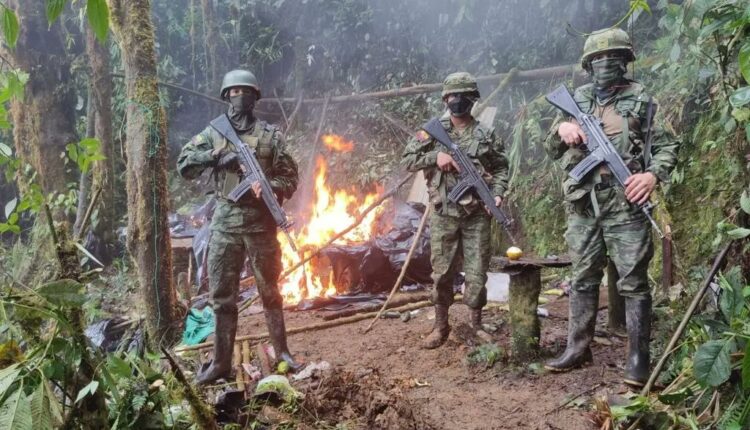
(311, 327)
(396, 302)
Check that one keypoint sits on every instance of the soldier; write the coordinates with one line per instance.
(603, 218)
(459, 232)
(244, 229)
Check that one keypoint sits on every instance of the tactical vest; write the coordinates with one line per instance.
(441, 184)
(261, 139)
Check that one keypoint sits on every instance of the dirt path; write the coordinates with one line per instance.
(460, 396)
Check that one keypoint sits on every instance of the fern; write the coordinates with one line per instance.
(735, 416)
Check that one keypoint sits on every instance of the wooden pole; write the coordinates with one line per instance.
(396, 302)
(686, 318)
(311, 327)
(547, 73)
(401, 275)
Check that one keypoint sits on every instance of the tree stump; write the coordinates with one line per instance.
(525, 287)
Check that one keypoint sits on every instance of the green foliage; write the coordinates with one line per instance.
(9, 26)
(54, 8)
(486, 355)
(84, 153)
(97, 12)
(712, 362)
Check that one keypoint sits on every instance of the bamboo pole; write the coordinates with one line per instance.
(311, 327)
(398, 301)
(401, 275)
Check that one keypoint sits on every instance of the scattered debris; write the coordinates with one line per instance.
(311, 369)
(277, 386)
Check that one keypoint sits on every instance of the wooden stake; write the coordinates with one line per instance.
(718, 262)
(401, 275)
(311, 327)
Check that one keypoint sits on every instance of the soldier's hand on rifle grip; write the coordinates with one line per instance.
(638, 187)
(257, 190)
(446, 163)
(229, 161)
(571, 133)
(498, 202)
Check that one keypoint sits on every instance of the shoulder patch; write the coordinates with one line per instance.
(422, 136)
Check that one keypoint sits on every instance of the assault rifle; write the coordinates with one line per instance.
(252, 173)
(468, 177)
(600, 149)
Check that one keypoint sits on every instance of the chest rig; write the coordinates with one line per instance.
(260, 138)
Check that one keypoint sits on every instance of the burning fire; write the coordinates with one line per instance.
(337, 143)
(330, 212)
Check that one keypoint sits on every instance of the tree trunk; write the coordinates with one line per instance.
(104, 170)
(146, 146)
(209, 44)
(44, 121)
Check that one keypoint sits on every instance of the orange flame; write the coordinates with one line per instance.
(337, 143)
(330, 212)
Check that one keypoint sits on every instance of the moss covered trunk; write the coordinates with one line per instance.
(44, 121)
(148, 234)
(104, 171)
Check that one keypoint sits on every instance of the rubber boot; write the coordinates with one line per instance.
(581, 324)
(638, 313)
(475, 322)
(440, 330)
(221, 365)
(277, 333)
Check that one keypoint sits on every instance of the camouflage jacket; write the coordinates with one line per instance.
(480, 143)
(624, 122)
(249, 215)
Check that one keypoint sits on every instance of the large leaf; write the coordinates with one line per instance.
(740, 97)
(732, 301)
(10, 27)
(739, 233)
(40, 410)
(63, 292)
(745, 200)
(10, 207)
(7, 377)
(97, 12)
(711, 364)
(744, 60)
(54, 9)
(88, 389)
(15, 413)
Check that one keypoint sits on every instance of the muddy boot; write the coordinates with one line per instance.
(581, 324)
(277, 332)
(475, 322)
(440, 330)
(221, 365)
(638, 312)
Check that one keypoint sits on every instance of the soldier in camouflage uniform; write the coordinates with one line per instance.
(603, 218)
(244, 229)
(460, 233)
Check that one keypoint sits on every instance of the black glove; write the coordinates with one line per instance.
(229, 161)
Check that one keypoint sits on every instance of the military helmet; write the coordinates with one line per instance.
(610, 39)
(460, 82)
(239, 78)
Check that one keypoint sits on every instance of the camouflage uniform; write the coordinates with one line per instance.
(599, 216)
(601, 221)
(245, 228)
(459, 233)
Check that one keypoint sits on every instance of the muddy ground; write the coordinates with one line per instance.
(439, 389)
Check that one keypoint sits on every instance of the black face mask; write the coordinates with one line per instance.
(243, 103)
(460, 105)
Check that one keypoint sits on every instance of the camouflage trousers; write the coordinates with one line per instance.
(226, 258)
(457, 240)
(620, 231)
